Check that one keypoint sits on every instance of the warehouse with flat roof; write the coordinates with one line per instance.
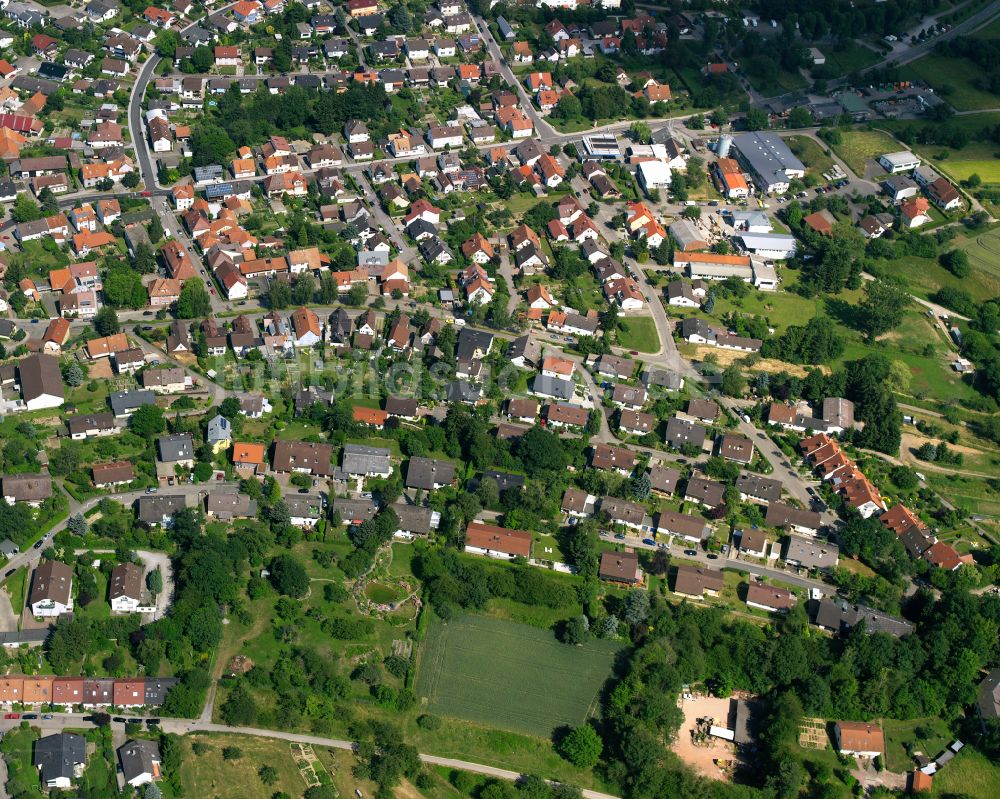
(770, 162)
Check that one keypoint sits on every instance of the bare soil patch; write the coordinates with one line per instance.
(725, 357)
(701, 755)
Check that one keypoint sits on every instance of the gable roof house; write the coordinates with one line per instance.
(428, 474)
(497, 542)
(60, 759)
(140, 762)
(51, 589)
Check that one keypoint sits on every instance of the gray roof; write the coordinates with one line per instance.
(219, 429)
(768, 155)
(414, 519)
(424, 473)
(354, 510)
(305, 506)
(156, 689)
(178, 447)
(763, 488)
(781, 515)
(686, 233)
(462, 391)
(471, 340)
(57, 755)
(681, 432)
(988, 695)
(706, 491)
(359, 459)
(838, 615)
(668, 380)
(153, 509)
(125, 402)
(811, 553)
(137, 758)
(552, 387)
(231, 503)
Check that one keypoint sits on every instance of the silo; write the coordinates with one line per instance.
(725, 142)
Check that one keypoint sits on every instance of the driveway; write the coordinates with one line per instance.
(8, 619)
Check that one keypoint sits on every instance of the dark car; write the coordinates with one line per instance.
(152, 722)
(29, 716)
(712, 556)
(620, 536)
(690, 553)
(9, 573)
(38, 544)
(648, 541)
(118, 719)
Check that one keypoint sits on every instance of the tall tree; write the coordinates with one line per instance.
(882, 309)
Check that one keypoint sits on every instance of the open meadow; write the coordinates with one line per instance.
(858, 147)
(510, 675)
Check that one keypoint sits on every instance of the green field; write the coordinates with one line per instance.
(209, 774)
(970, 774)
(858, 147)
(952, 79)
(509, 675)
(853, 57)
(984, 252)
(989, 171)
(928, 736)
(638, 333)
(925, 276)
(810, 153)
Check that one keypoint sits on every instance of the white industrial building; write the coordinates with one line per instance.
(653, 176)
(779, 246)
(897, 163)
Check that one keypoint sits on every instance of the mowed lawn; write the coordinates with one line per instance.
(952, 79)
(509, 675)
(638, 333)
(209, 774)
(858, 147)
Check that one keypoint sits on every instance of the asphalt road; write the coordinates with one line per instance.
(727, 561)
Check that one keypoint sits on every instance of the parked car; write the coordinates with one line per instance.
(691, 553)
(12, 715)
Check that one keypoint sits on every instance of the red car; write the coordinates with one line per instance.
(147, 194)
(12, 715)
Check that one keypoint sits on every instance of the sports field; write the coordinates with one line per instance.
(509, 675)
